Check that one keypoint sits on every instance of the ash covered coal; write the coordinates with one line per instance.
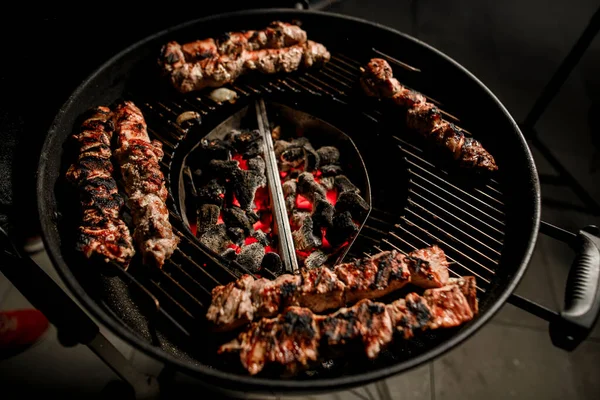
(323, 205)
(226, 179)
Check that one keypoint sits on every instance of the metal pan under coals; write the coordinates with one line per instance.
(293, 123)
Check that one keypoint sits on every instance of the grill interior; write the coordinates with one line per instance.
(416, 198)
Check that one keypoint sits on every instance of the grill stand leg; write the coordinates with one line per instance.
(144, 387)
(74, 326)
(548, 94)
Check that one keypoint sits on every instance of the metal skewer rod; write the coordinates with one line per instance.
(282, 224)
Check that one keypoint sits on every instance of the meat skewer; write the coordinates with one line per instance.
(293, 339)
(378, 80)
(276, 35)
(221, 70)
(144, 184)
(103, 233)
(321, 288)
(281, 47)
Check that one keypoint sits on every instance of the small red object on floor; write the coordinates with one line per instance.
(21, 328)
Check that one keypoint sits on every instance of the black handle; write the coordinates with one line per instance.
(582, 295)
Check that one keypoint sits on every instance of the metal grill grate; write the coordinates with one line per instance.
(467, 222)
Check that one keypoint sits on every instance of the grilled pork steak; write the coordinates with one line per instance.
(320, 289)
(293, 338)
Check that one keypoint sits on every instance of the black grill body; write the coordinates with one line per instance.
(487, 225)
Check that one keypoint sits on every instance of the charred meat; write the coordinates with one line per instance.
(422, 116)
(139, 158)
(293, 338)
(281, 47)
(322, 288)
(103, 233)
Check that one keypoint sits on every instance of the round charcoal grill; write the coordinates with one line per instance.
(488, 226)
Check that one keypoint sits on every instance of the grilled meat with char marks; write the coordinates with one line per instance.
(293, 338)
(103, 233)
(139, 159)
(378, 80)
(321, 289)
(277, 35)
(281, 47)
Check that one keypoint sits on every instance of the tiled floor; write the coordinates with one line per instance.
(513, 48)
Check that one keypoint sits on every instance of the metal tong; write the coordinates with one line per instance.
(282, 224)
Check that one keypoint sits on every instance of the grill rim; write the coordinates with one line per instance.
(46, 203)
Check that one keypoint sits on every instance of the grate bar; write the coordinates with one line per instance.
(438, 240)
(168, 296)
(455, 239)
(338, 77)
(450, 270)
(450, 259)
(445, 181)
(470, 226)
(174, 282)
(396, 61)
(457, 207)
(327, 85)
(191, 278)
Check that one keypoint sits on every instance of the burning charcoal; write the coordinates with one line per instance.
(292, 157)
(252, 216)
(236, 235)
(329, 155)
(289, 194)
(224, 168)
(229, 254)
(315, 259)
(312, 160)
(244, 185)
(343, 184)
(301, 141)
(289, 188)
(331, 170)
(214, 149)
(308, 187)
(328, 182)
(298, 217)
(305, 238)
(248, 143)
(251, 256)
(272, 262)
(211, 193)
(342, 229)
(235, 217)
(322, 214)
(216, 238)
(207, 217)
(280, 146)
(261, 237)
(188, 181)
(257, 165)
(352, 202)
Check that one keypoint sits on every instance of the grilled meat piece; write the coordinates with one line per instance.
(293, 338)
(139, 158)
(102, 233)
(276, 36)
(323, 289)
(378, 80)
(223, 69)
